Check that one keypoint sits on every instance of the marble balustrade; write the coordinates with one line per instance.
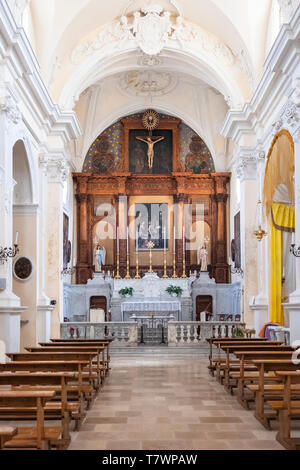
(126, 333)
(195, 333)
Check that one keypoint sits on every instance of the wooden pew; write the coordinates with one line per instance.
(232, 348)
(83, 343)
(58, 382)
(100, 348)
(39, 436)
(87, 341)
(287, 409)
(242, 377)
(221, 362)
(263, 391)
(101, 365)
(6, 434)
(54, 366)
(216, 341)
(62, 356)
(219, 359)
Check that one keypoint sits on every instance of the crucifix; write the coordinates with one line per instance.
(149, 140)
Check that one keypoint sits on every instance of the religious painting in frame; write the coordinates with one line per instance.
(66, 242)
(138, 152)
(151, 224)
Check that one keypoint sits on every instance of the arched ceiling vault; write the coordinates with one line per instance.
(61, 26)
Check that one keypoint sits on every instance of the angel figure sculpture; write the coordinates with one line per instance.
(150, 142)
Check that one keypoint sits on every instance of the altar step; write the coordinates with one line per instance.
(159, 350)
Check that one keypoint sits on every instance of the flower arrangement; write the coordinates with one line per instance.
(174, 291)
(126, 292)
(72, 332)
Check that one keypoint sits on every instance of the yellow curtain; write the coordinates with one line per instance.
(283, 219)
(279, 169)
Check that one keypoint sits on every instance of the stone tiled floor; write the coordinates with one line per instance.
(168, 402)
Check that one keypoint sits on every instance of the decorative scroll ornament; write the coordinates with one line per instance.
(289, 116)
(18, 8)
(56, 169)
(8, 105)
(287, 9)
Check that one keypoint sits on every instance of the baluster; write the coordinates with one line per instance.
(230, 328)
(197, 334)
(213, 331)
(189, 334)
(182, 334)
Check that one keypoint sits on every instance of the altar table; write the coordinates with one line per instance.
(151, 306)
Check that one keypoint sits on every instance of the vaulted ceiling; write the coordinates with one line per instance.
(195, 81)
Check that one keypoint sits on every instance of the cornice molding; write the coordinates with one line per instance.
(275, 86)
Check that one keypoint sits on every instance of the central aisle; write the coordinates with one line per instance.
(154, 401)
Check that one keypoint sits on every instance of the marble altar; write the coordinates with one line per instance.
(226, 297)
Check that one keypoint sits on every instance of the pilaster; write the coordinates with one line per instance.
(247, 171)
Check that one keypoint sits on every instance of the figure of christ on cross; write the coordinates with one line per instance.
(150, 142)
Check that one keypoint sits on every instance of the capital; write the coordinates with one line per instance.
(246, 164)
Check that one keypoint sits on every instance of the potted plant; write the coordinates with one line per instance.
(174, 291)
(126, 292)
(238, 332)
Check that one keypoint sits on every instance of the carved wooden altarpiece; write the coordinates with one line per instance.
(184, 186)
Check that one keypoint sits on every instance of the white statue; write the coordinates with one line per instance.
(100, 257)
(202, 258)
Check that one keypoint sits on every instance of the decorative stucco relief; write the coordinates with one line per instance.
(151, 29)
(145, 83)
(8, 105)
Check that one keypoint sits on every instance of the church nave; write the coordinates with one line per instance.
(159, 400)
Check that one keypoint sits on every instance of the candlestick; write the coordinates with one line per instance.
(165, 239)
(128, 268)
(165, 276)
(150, 246)
(174, 241)
(118, 241)
(184, 267)
(174, 266)
(118, 266)
(17, 238)
(137, 276)
(127, 240)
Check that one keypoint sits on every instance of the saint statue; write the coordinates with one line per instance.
(150, 142)
(100, 256)
(202, 258)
